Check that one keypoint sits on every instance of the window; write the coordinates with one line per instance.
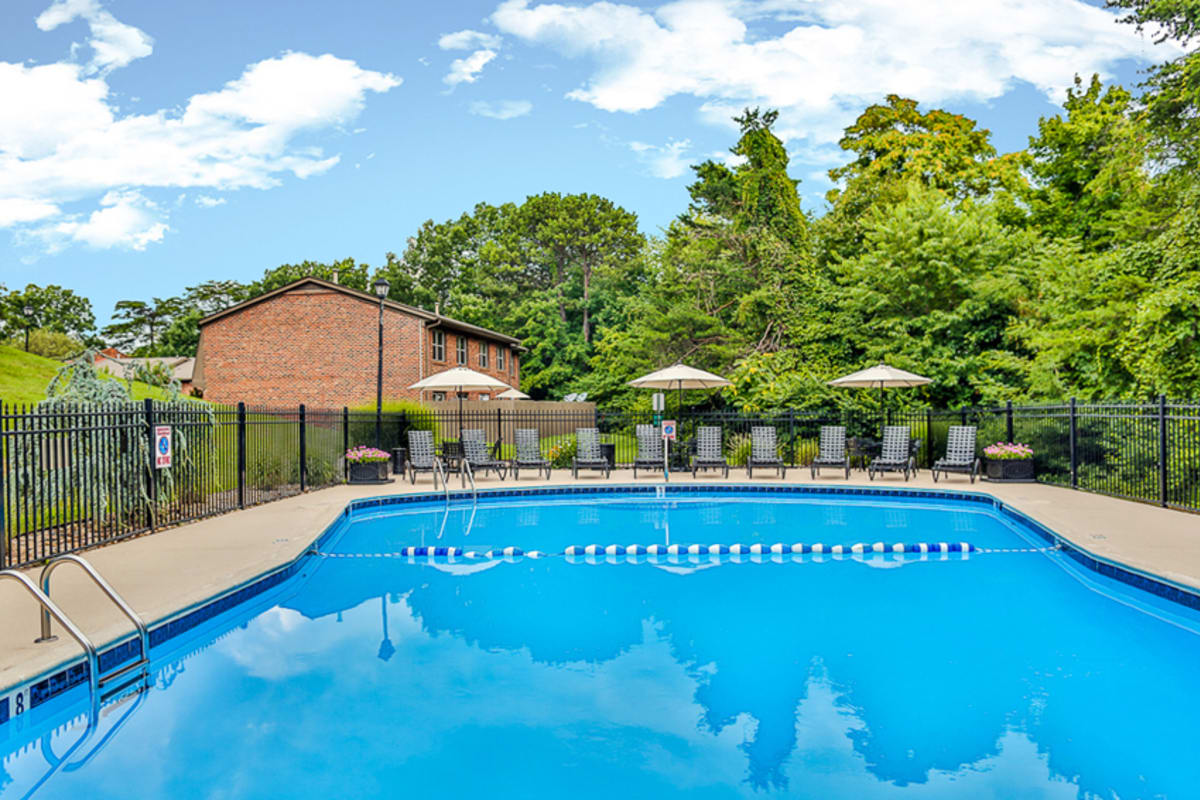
(462, 350)
(500, 353)
(484, 396)
(439, 346)
(439, 397)
(484, 347)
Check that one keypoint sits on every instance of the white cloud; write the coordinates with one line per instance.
(668, 161)
(114, 44)
(204, 201)
(466, 70)
(126, 218)
(821, 63)
(63, 139)
(469, 40)
(502, 109)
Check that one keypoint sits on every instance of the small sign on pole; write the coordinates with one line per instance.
(668, 429)
(658, 402)
(162, 446)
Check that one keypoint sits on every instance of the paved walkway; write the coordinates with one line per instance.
(162, 573)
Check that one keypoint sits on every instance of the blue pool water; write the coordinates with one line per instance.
(999, 675)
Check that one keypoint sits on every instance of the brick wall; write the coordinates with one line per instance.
(310, 345)
(510, 374)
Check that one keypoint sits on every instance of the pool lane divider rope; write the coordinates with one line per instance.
(653, 551)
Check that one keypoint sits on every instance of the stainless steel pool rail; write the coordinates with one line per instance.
(51, 609)
(438, 471)
(111, 593)
(469, 475)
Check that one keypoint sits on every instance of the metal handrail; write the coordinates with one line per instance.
(44, 580)
(437, 465)
(48, 605)
(469, 474)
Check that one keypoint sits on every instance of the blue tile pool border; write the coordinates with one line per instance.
(60, 679)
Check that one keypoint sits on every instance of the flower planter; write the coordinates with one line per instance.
(369, 472)
(1009, 469)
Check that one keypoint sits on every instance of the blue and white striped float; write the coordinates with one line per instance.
(598, 553)
(512, 553)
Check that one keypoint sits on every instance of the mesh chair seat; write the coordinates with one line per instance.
(421, 456)
(529, 453)
(475, 453)
(896, 454)
(832, 452)
(587, 452)
(710, 450)
(960, 453)
(650, 449)
(764, 451)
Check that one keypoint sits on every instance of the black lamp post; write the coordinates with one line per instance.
(28, 310)
(381, 287)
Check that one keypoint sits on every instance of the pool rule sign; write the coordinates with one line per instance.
(162, 446)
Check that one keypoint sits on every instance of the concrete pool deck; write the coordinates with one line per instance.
(162, 573)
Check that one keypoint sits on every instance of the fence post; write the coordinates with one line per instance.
(1008, 422)
(929, 438)
(1162, 450)
(303, 450)
(345, 441)
(3, 490)
(1074, 454)
(241, 454)
(792, 434)
(152, 478)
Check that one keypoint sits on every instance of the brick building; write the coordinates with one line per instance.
(316, 342)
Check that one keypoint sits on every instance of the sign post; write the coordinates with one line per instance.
(162, 446)
(668, 435)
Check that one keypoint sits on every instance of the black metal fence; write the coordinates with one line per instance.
(81, 475)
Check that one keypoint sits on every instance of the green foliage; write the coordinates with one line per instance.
(562, 452)
(136, 324)
(349, 273)
(48, 344)
(54, 309)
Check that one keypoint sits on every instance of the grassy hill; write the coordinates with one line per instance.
(24, 378)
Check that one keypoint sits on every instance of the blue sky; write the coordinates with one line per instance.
(146, 146)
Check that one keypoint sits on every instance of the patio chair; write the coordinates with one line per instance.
(709, 450)
(650, 449)
(764, 451)
(421, 457)
(529, 453)
(896, 455)
(475, 453)
(832, 452)
(960, 453)
(587, 452)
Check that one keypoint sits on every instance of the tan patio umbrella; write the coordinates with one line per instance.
(882, 376)
(512, 394)
(459, 380)
(680, 377)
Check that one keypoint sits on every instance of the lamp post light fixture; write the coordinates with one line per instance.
(28, 311)
(381, 287)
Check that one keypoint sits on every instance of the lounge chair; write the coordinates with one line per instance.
(709, 450)
(475, 453)
(896, 455)
(529, 453)
(764, 451)
(650, 449)
(832, 452)
(587, 452)
(960, 453)
(421, 457)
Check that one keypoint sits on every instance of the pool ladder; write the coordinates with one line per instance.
(137, 671)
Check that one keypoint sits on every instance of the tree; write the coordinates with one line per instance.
(1091, 169)
(137, 324)
(54, 309)
(1172, 97)
(347, 271)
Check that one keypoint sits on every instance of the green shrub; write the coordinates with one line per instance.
(738, 445)
(562, 452)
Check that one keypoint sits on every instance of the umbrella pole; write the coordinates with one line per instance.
(460, 421)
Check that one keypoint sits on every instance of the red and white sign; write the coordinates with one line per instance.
(162, 446)
(668, 429)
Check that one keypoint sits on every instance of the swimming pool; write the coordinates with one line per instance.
(1004, 671)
